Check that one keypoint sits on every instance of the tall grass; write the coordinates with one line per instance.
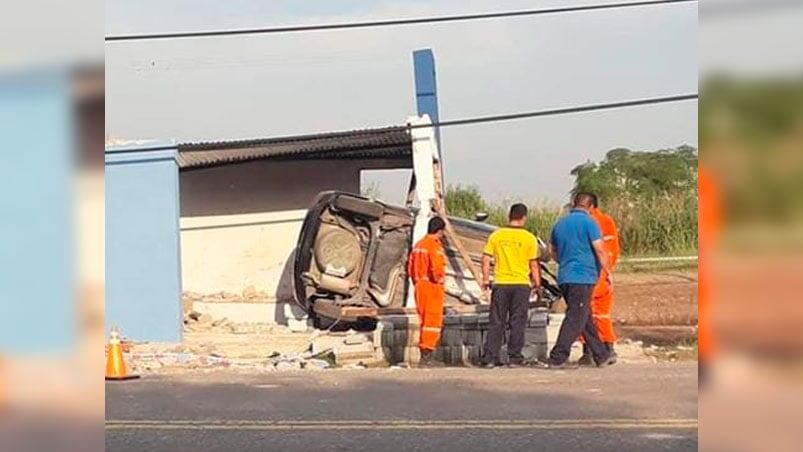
(666, 225)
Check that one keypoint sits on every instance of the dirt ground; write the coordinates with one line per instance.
(654, 299)
(657, 308)
(665, 298)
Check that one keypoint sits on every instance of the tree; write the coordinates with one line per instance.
(628, 174)
(464, 201)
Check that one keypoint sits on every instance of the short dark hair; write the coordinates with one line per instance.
(594, 200)
(517, 211)
(436, 224)
(584, 199)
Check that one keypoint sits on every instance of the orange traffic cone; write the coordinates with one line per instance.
(115, 364)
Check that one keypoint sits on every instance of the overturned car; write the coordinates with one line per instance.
(352, 252)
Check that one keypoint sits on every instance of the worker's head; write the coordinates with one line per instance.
(584, 200)
(517, 215)
(594, 200)
(436, 226)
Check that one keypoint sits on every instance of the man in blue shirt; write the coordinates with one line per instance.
(577, 245)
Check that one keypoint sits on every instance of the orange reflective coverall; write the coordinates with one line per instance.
(602, 298)
(709, 225)
(427, 268)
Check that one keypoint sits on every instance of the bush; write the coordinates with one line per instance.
(464, 202)
(659, 225)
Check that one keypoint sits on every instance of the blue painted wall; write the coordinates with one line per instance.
(143, 268)
(36, 271)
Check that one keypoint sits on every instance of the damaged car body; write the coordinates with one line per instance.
(352, 251)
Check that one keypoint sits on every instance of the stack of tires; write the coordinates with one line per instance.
(461, 341)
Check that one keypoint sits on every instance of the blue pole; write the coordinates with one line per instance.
(426, 91)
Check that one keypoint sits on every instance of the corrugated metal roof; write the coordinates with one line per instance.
(388, 142)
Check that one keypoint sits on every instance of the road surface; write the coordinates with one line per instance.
(640, 407)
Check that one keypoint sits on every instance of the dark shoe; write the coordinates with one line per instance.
(608, 361)
(552, 365)
(612, 352)
(426, 360)
(586, 360)
(515, 364)
(490, 365)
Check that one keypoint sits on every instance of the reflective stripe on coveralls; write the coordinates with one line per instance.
(427, 269)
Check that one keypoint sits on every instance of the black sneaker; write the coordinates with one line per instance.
(586, 360)
(515, 364)
(426, 359)
(613, 357)
(609, 361)
(551, 365)
(489, 365)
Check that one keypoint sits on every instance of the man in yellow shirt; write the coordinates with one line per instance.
(516, 274)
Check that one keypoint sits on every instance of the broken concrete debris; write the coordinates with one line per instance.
(213, 344)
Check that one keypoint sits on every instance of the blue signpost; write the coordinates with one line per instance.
(426, 91)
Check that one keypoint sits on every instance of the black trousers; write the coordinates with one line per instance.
(509, 305)
(576, 323)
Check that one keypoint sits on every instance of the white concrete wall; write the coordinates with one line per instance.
(232, 252)
(240, 223)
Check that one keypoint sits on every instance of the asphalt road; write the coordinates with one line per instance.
(625, 407)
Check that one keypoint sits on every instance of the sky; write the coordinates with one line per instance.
(276, 85)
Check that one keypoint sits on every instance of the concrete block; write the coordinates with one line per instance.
(538, 317)
(555, 320)
(346, 351)
(451, 320)
(451, 337)
(412, 355)
(326, 342)
(297, 319)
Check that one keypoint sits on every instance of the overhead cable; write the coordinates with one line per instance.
(390, 22)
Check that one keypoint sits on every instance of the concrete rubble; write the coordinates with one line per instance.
(211, 344)
(320, 351)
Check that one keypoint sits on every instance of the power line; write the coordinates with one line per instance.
(391, 22)
(559, 111)
(492, 118)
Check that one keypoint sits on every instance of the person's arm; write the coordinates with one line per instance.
(553, 251)
(437, 262)
(602, 255)
(613, 244)
(487, 252)
(535, 268)
(535, 273)
(486, 271)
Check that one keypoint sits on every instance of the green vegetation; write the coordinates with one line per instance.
(651, 195)
(751, 136)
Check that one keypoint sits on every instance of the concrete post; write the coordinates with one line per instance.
(425, 154)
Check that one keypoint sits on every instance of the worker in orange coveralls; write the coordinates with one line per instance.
(427, 269)
(709, 225)
(602, 297)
